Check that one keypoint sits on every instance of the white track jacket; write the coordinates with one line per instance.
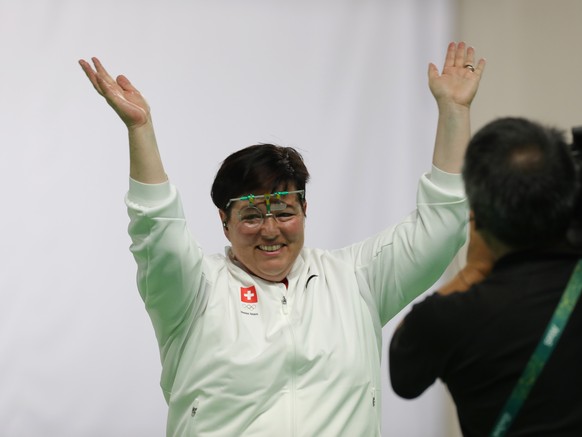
(246, 357)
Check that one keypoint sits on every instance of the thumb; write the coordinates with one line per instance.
(433, 71)
(124, 83)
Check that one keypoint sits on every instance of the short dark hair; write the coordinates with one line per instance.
(521, 182)
(256, 169)
(575, 231)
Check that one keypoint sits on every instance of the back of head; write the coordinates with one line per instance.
(257, 168)
(521, 182)
(575, 230)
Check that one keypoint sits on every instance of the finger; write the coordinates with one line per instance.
(433, 71)
(125, 84)
(109, 87)
(90, 74)
(99, 66)
(102, 72)
(450, 57)
(481, 66)
(470, 57)
(86, 68)
(107, 90)
(460, 55)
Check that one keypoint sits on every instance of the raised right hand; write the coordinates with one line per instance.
(120, 94)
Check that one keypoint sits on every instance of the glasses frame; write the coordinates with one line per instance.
(277, 195)
(268, 196)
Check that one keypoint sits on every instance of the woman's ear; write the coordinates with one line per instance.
(224, 221)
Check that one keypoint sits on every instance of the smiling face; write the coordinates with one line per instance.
(267, 249)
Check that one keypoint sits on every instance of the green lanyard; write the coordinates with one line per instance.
(544, 349)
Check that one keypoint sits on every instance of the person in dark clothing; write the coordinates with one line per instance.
(478, 333)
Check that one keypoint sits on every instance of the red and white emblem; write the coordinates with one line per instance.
(248, 294)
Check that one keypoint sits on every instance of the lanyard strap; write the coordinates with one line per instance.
(543, 351)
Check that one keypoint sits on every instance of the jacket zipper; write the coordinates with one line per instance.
(194, 408)
(284, 305)
(293, 382)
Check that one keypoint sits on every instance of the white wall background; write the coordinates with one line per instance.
(344, 81)
(534, 67)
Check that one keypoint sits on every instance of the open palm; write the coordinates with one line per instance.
(458, 82)
(121, 95)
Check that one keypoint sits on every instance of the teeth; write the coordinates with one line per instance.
(271, 248)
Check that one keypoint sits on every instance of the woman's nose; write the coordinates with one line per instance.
(270, 225)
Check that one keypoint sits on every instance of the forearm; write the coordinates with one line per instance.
(454, 89)
(145, 163)
(478, 265)
(452, 136)
(463, 280)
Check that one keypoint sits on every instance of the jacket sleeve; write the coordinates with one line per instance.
(417, 351)
(403, 261)
(169, 262)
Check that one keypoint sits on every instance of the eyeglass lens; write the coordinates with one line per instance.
(252, 216)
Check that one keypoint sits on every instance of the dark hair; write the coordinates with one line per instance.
(521, 182)
(257, 169)
(575, 230)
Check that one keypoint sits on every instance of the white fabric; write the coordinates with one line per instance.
(301, 361)
(342, 80)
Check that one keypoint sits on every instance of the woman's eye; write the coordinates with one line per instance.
(284, 215)
(251, 217)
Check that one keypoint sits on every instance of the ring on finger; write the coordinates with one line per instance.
(470, 67)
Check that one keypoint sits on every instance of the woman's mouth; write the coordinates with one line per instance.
(270, 248)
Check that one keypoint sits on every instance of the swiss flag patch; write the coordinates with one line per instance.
(248, 294)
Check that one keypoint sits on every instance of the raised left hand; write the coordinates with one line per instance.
(459, 80)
